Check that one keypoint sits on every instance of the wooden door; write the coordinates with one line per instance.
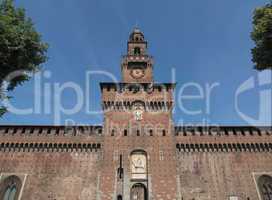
(138, 192)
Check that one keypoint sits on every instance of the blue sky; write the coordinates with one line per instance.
(206, 42)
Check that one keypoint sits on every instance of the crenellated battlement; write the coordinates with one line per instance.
(228, 131)
(48, 147)
(50, 131)
(224, 147)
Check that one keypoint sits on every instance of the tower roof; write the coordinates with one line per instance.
(136, 35)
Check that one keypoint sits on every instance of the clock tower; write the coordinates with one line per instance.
(137, 126)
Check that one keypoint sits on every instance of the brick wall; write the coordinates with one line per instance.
(55, 175)
(182, 165)
(219, 175)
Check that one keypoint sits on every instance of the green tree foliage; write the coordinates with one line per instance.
(262, 36)
(21, 47)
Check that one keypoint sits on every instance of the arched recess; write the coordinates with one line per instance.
(265, 187)
(138, 192)
(10, 188)
(138, 164)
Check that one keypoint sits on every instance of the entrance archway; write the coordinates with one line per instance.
(138, 192)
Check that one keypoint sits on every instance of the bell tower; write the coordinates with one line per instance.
(137, 65)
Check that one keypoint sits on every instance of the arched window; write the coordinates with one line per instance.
(265, 187)
(151, 132)
(138, 133)
(10, 193)
(10, 188)
(137, 51)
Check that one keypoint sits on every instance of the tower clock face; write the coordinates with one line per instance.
(137, 73)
